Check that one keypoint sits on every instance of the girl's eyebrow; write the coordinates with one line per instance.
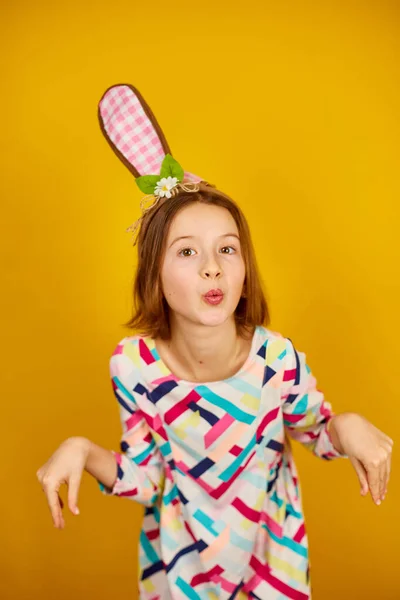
(186, 237)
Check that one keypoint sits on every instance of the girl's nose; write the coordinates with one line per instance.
(212, 273)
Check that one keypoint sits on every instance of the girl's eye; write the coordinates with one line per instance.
(181, 252)
(186, 251)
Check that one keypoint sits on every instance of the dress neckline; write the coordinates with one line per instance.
(150, 342)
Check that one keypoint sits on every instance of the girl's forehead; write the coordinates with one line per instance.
(198, 215)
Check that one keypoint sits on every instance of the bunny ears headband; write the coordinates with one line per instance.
(132, 131)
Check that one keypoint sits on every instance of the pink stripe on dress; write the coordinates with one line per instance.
(218, 429)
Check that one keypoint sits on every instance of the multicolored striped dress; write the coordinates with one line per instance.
(212, 464)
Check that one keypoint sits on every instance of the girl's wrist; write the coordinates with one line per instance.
(334, 434)
(80, 443)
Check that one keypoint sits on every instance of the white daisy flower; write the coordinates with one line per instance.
(164, 187)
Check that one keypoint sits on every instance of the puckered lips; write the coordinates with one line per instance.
(214, 296)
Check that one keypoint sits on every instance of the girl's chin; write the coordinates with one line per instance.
(206, 314)
(216, 317)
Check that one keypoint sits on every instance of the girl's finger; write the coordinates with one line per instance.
(388, 468)
(73, 489)
(382, 479)
(374, 482)
(55, 508)
(362, 475)
(389, 440)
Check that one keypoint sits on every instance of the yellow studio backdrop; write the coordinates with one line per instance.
(292, 108)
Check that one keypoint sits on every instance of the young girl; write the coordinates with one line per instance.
(208, 397)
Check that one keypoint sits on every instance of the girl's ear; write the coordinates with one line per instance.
(133, 132)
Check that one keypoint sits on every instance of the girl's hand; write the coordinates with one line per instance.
(369, 450)
(66, 465)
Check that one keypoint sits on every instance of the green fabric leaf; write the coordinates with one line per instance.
(171, 168)
(147, 183)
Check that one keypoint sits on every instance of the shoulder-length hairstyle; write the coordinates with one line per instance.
(150, 315)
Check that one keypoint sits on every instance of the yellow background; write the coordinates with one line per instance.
(291, 108)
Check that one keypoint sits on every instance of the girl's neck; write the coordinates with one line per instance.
(204, 354)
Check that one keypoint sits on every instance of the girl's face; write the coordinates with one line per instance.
(203, 253)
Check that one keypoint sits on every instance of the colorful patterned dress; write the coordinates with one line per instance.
(212, 464)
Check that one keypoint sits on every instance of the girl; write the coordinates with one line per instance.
(208, 397)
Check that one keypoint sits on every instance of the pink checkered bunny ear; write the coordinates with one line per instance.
(133, 132)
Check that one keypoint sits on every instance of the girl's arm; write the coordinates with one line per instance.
(139, 464)
(136, 472)
(100, 463)
(309, 418)
(306, 413)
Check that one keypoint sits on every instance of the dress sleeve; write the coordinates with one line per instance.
(140, 467)
(306, 413)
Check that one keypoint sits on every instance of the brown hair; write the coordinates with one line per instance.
(150, 309)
